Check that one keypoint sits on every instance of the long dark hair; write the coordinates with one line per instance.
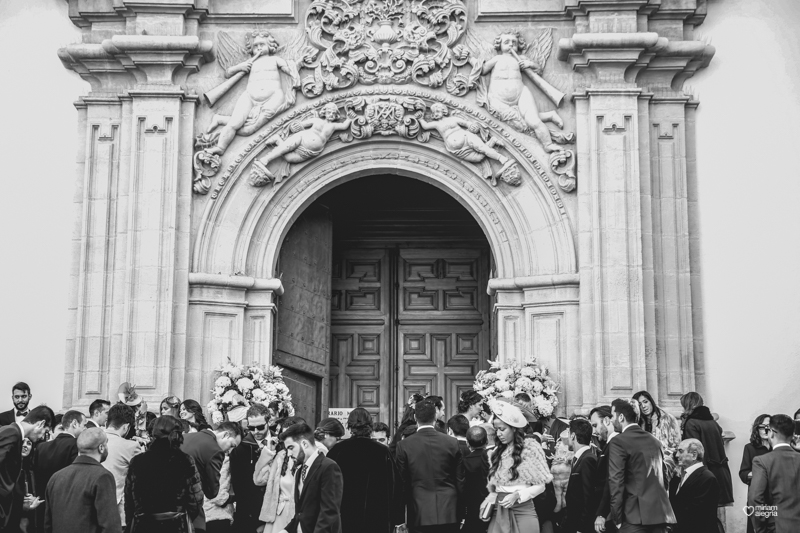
(518, 444)
(200, 420)
(656, 410)
(755, 438)
(468, 399)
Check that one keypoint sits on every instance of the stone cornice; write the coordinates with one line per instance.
(123, 61)
(624, 58)
(235, 282)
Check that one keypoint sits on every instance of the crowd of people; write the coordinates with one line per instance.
(492, 467)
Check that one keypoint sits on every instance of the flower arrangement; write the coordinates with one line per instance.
(239, 385)
(510, 378)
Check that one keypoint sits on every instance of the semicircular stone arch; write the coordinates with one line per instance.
(242, 227)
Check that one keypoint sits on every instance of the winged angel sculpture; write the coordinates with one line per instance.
(268, 92)
(505, 95)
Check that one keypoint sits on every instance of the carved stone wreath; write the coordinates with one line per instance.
(384, 42)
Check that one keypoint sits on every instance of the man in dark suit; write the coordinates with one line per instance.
(21, 396)
(476, 472)
(318, 484)
(208, 449)
(776, 476)
(693, 494)
(98, 414)
(432, 472)
(457, 427)
(639, 501)
(581, 496)
(603, 431)
(13, 498)
(82, 498)
(249, 496)
(58, 453)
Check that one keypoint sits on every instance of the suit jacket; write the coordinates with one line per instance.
(636, 479)
(208, 458)
(776, 476)
(91, 424)
(7, 417)
(81, 498)
(317, 506)
(581, 498)
(476, 472)
(432, 475)
(249, 496)
(11, 494)
(120, 453)
(464, 447)
(695, 505)
(602, 492)
(369, 485)
(52, 456)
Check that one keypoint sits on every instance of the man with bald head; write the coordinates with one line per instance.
(81, 498)
(693, 494)
(476, 471)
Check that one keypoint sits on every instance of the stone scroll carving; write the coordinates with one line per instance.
(384, 42)
(384, 115)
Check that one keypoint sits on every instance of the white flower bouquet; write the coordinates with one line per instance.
(241, 385)
(511, 378)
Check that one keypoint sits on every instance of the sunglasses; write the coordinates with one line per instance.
(764, 427)
(262, 427)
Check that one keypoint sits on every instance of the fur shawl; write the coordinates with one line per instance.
(532, 470)
(268, 472)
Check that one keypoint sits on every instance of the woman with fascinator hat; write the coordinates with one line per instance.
(518, 473)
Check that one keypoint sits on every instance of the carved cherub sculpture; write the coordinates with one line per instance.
(307, 140)
(266, 93)
(508, 98)
(461, 139)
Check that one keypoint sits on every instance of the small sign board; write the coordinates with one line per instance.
(341, 414)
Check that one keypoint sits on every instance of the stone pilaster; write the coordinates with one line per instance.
(132, 236)
(636, 298)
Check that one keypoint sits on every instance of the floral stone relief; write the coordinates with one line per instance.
(385, 42)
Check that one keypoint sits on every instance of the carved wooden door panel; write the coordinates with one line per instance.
(303, 335)
(360, 368)
(443, 322)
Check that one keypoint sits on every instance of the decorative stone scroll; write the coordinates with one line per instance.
(387, 42)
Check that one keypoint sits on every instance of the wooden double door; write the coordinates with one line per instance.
(406, 320)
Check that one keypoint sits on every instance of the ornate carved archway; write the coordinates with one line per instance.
(527, 225)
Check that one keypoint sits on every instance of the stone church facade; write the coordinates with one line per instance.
(381, 195)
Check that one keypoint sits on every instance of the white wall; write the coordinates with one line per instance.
(37, 150)
(749, 188)
(749, 191)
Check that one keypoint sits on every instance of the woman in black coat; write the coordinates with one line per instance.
(369, 479)
(698, 423)
(162, 491)
(759, 445)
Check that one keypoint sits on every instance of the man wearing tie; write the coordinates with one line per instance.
(776, 476)
(318, 484)
(695, 493)
(21, 396)
(581, 496)
(639, 501)
(600, 418)
(13, 497)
